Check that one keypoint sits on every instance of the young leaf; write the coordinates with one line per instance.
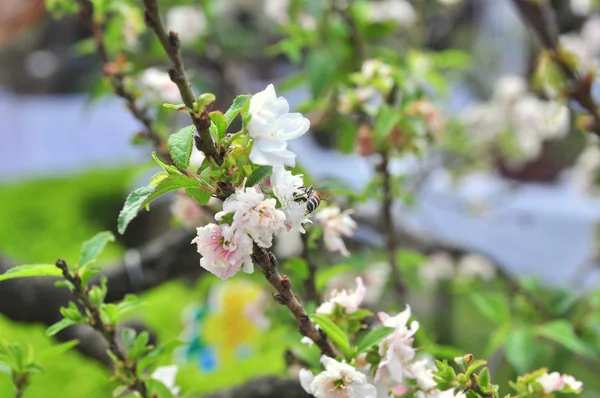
(337, 335)
(373, 337)
(133, 204)
(152, 356)
(57, 350)
(180, 146)
(92, 248)
(561, 332)
(158, 389)
(202, 196)
(218, 119)
(320, 68)
(235, 108)
(517, 348)
(58, 326)
(25, 271)
(259, 174)
(386, 120)
(166, 167)
(493, 306)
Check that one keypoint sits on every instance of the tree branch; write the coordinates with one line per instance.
(286, 296)
(171, 45)
(390, 230)
(116, 79)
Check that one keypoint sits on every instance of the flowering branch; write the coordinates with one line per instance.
(116, 77)
(96, 322)
(390, 230)
(541, 19)
(171, 45)
(286, 296)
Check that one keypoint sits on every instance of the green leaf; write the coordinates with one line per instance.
(133, 204)
(58, 326)
(325, 274)
(373, 337)
(178, 107)
(320, 68)
(201, 196)
(497, 339)
(337, 335)
(493, 306)
(562, 332)
(26, 271)
(158, 178)
(518, 349)
(92, 248)
(170, 184)
(152, 356)
(158, 389)
(180, 146)
(220, 125)
(131, 301)
(259, 174)
(235, 108)
(57, 350)
(359, 314)
(166, 167)
(387, 118)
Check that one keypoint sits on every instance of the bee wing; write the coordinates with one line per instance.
(325, 194)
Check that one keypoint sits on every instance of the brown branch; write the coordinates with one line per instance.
(309, 282)
(81, 293)
(117, 79)
(286, 296)
(540, 18)
(390, 231)
(171, 45)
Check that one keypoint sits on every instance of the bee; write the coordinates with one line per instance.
(312, 197)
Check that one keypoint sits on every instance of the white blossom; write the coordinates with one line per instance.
(271, 126)
(400, 11)
(159, 84)
(582, 7)
(285, 188)
(223, 250)
(349, 300)
(338, 380)
(475, 265)
(188, 21)
(335, 225)
(196, 158)
(422, 371)
(439, 267)
(167, 375)
(254, 215)
(396, 350)
(554, 381)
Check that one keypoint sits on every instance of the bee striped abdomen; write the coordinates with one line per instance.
(313, 202)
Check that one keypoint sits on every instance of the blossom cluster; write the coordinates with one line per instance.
(555, 382)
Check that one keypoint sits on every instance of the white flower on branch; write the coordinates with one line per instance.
(166, 375)
(336, 223)
(224, 251)
(396, 350)
(285, 187)
(254, 215)
(159, 84)
(476, 266)
(188, 21)
(400, 11)
(338, 380)
(422, 371)
(271, 126)
(348, 300)
(554, 381)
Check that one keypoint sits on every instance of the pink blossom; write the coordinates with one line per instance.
(554, 381)
(349, 300)
(335, 225)
(223, 251)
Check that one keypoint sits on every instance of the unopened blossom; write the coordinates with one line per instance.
(188, 21)
(271, 126)
(348, 300)
(400, 11)
(396, 350)
(476, 266)
(254, 215)
(338, 380)
(187, 211)
(285, 188)
(196, 158)
(167, 375)
(336, 223)
(554, 381)
(224, 251)
(160, 85)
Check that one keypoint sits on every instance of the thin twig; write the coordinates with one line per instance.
(108, 332)
(390, 231)
(171, 45)
(540, 17)
(20, 383)
(309, 283)
(286, 296)
(117, 79)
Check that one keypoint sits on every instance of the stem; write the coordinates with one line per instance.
(309, 282)
(541, 19)
(116, 78)
(172, 46)
(390, 231)
(286, 296)
(20, 383)
(107, 331)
